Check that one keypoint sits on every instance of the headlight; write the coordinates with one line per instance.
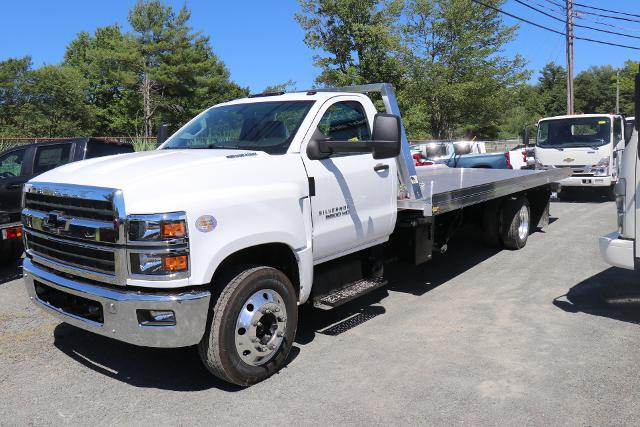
(159, 264)
(157, 228)
(602, 168)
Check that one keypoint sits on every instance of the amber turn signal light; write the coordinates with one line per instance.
(173, 229)
(175, 263)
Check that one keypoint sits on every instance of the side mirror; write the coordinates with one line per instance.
(386, 135)
(526, 136)
(628, 132)
(163, 134)
(385, 143)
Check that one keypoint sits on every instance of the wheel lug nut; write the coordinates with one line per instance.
(277, 309)
(282, 319)
(263, 349)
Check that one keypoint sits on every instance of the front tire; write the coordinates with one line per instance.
(251, 327)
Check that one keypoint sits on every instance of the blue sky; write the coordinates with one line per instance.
(262, 44)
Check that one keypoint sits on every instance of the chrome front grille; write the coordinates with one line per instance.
(72, 253)
(101, 210)
(76, 230)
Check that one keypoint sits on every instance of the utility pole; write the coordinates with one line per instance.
(618, 92)
(569, 8)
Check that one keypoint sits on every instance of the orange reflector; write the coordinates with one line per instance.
(175, 263)
(173, 229)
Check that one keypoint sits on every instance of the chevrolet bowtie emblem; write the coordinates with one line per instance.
(55, 222)
(569, 160)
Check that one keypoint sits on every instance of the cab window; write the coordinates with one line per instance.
(50, 157)
(11, 163)
(617, 129)
(345, 121)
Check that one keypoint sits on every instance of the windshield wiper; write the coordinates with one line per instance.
(222, 147)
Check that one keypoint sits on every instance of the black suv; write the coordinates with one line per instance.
(21, 163)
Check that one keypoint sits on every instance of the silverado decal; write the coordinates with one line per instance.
(334, 212)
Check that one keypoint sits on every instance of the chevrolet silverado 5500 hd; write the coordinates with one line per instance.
(252, 208)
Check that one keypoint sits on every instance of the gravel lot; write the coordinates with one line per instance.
(545, 335)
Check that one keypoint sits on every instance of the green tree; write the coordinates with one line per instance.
(457, 80)
(358, 38)
(14, 74)
(109, 61)
(595, 90)
(56, 102)
(179, 73)
(552, 91)
(627, 87)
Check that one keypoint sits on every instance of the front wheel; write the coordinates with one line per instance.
(610, 193)
(251, 328)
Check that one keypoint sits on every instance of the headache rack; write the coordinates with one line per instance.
(434, 190)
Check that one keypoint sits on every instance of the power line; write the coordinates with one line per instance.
(597, 21)
(495, 9)
(607, 10)
(576, 25)
(619, 18)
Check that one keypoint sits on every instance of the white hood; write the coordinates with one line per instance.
(173, 180)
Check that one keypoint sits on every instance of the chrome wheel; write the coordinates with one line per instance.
(260, 327)
(523, 228)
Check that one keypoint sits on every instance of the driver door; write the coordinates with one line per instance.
(12, 176)
(354, 202)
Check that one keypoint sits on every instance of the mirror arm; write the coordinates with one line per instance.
(335, 147)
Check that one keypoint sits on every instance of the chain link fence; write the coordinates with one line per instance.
(139, 143)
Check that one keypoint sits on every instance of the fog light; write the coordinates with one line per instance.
(156, 317)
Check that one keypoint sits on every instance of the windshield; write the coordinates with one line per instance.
(574, 132)
(261, 126)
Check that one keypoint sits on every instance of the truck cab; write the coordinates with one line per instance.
(590, 145)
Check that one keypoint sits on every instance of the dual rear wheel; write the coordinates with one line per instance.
(507, 222)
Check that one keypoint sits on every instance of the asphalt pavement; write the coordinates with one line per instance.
(546, 335)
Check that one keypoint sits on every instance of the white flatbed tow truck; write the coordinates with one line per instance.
(252, 208)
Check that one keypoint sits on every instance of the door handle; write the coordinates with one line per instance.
(13, 186)
(381, 167)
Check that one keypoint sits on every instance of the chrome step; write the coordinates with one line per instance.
(348, 293)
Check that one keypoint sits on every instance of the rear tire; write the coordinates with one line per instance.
(516, 222)
(251, 328)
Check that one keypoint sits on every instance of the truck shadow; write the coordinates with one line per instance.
(585, 195)
(613, 293)
(176, 369)
(11, 272)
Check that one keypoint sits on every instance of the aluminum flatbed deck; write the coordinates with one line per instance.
(448, 189)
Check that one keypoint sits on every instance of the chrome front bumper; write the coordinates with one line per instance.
(120, 310)
(587, 181)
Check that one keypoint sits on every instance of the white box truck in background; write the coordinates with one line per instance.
(590, 145)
